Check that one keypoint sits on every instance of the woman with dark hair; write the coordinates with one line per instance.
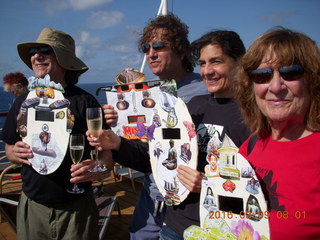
(278, 89)
(214, 115)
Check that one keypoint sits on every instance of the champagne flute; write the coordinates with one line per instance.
(94, 123)
(76, 146)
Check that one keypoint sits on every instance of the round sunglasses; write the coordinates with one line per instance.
(156, 46)
(288, 73)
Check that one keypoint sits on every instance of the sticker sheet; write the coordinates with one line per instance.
(152, 113)
(45, 123)
(232, 204)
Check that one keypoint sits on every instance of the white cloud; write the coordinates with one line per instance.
(278, 18)
(86, 4)
(125, 42)
(132, 60)
(53, 7)
(86, 39)
(102, 19)
(120, 47)
(87, 44)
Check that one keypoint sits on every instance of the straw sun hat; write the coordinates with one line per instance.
(63, 46)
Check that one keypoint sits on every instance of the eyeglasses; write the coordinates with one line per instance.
(156, 46)
(288, 73)
(43, 50)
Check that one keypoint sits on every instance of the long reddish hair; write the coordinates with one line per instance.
(15, 78)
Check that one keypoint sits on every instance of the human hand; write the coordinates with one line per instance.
(19, 153)
(107, 140)
(110, 114)
(190, 178)
(80, 172)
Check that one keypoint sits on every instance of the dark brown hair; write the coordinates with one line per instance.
(229, 41)
(175, 33)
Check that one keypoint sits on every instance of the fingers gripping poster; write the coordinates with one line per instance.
(44, 122)
(152, 113)
(232, 204)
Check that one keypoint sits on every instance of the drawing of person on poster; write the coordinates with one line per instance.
(212, 170)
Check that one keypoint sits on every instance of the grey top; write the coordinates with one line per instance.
(192, 85)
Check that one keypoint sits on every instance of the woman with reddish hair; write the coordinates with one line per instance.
(16, 83)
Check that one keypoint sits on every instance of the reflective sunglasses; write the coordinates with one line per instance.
(43, 50)
(156, 46)
(288, 73)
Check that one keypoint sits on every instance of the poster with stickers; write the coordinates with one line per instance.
(232, 204)
(175, 143)
(45, 123)
(152, 113)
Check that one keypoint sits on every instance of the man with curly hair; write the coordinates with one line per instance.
(165, 42)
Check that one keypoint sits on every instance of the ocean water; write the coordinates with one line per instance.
(92, 88)
(6, 99)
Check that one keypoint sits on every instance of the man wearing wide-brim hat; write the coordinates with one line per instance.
(46, 210)
(62, 45)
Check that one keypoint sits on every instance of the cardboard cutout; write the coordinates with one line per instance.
(232, 203)
(152, 113)
(44, 122)
(174, 143)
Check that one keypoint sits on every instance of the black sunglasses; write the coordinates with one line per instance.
(288, 73)
(43, 50)
(156, 46)
(128, 87)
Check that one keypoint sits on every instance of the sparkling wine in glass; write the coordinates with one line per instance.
(76, 146)
(94, 123)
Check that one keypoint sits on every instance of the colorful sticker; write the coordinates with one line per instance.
(152, 113)
(43, 125)
(232, 205)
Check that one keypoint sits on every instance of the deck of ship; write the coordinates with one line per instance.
(118, 226)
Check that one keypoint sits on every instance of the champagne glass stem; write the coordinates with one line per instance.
(96, 156)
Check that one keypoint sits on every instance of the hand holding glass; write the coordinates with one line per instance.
(94, 123)
(76, 146)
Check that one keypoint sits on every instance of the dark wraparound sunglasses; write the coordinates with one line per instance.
(43, 50)
(156, 46)
(288, 73)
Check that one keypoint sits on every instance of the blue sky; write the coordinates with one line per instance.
(106, 31)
